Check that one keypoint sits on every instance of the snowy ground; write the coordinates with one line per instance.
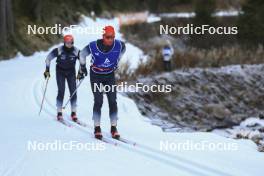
(251, 128)
(21, 85)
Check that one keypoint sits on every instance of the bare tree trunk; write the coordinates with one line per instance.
(9, 17)
(6, 22)
(3, 27)
(37, 4)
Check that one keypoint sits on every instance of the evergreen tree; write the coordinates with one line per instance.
(204, 10)
(251, 22)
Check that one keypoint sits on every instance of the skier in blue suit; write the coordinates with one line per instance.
(106, 53)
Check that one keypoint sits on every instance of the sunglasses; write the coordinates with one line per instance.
(109, 37)
(68, 43)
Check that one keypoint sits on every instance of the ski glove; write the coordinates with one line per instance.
(46, 74)
(80, 75)
(84, 70)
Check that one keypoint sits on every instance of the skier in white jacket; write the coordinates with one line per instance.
(167, 52)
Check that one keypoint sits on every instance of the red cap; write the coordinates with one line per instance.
(109, 30)
(68, 38)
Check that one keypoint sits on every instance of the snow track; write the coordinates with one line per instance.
(18, 166)
(143, 150)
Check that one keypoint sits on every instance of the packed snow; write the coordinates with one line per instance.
(22, 84)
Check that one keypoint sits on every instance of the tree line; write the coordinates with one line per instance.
(16, 14)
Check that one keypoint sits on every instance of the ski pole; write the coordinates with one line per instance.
(42, 102)
(73, 94)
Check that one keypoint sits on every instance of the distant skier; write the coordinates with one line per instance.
(167, 53)
(105, 53)
(66, 56)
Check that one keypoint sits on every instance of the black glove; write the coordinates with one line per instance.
(84, 70)
(80, 75)
(46, 73)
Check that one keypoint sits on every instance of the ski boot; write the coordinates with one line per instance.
(98, 133)
(59, 116)
(114, 132)
(74, 117)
